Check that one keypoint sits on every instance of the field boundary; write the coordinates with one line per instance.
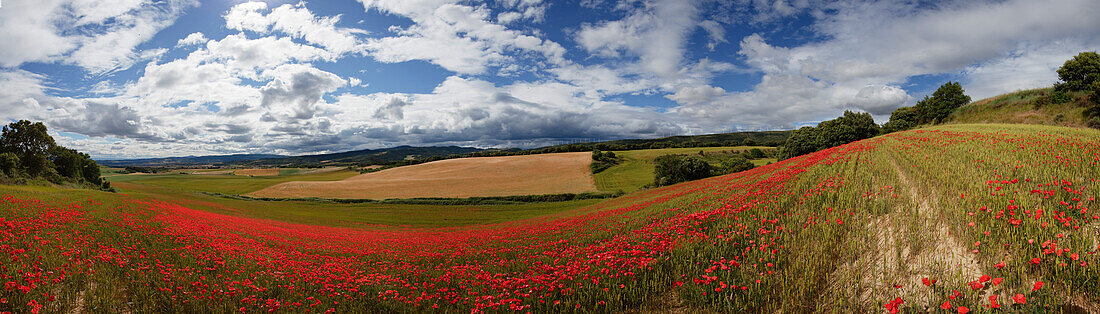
(479, 200)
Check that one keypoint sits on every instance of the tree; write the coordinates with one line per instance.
(30, 142)
(946, 99)
(848, 128)
(802, 141)
(672, 169)
(67, 162)
(1080, 72)
(9, 164)
(901, 119)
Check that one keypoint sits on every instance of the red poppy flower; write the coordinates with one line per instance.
(1020, 299)
(1038, 284)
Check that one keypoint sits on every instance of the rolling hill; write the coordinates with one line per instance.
(184, 161)
(455, 178)
(1033, 106)
(974, 216)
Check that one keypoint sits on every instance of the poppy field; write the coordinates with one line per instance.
(959, 218)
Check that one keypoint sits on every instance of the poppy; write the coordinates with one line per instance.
(1019, 299)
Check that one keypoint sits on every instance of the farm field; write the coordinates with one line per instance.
(977, 216)
(463, 177)
(230, 184)
(636, 169)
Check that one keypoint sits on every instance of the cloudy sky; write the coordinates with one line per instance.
(144, 78)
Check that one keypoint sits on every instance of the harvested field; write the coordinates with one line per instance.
(257, 172)
(464, 177)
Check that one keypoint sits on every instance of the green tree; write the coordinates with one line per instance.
(90, 172)
(1080, 72)
(672, 169)
(946, 99)
(9, 164)
(802, 141)
(850, 127)
(67, 162)
(30, 142)
(901, 119)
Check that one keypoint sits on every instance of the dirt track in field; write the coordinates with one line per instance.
(464, 177)
(257, 172)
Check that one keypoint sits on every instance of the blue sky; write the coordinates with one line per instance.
(142, 78)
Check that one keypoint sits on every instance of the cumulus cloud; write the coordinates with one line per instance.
(296, 21)
(192, 39)
(99, 36)
(474, 43)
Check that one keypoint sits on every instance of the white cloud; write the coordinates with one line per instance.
(655, 33)
(192, 39)
(296, 21)
(99, 36)
(716, 34)
(474, 43)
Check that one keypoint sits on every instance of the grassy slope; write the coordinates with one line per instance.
(831, 231)
(636, 170)
(227, 184)
(1019, 108)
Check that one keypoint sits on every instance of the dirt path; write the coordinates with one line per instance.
(901, 249)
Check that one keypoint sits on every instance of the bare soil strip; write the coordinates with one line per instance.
(463, 177)
(903, 248)
(257, 172)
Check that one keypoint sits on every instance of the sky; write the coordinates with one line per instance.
(157, 78)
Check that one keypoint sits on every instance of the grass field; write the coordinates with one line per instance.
(965, 217)
(636, 169)
(227, 184)
(1020, 108)
(463, 177)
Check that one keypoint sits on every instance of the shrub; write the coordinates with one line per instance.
(1094, 123)
(601, 160)
(736, 164)
(672, 169)
(756, 153)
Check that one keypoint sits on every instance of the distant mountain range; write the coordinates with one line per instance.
(189, 160)
(366, 156)
(400, 153)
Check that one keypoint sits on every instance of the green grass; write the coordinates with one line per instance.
(636, 169)
(1019, 108)
(227, 184)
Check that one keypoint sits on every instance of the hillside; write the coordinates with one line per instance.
(462, 177)
(1033, 106)
(185, 161)
(970, 215)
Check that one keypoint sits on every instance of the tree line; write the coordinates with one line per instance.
(1079, 74)
(28, 152)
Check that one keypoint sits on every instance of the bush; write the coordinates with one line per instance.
(1094, 123)
(672, 169)
(736, 164)
(601, 160)
(1080, 72)
(756, 153)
